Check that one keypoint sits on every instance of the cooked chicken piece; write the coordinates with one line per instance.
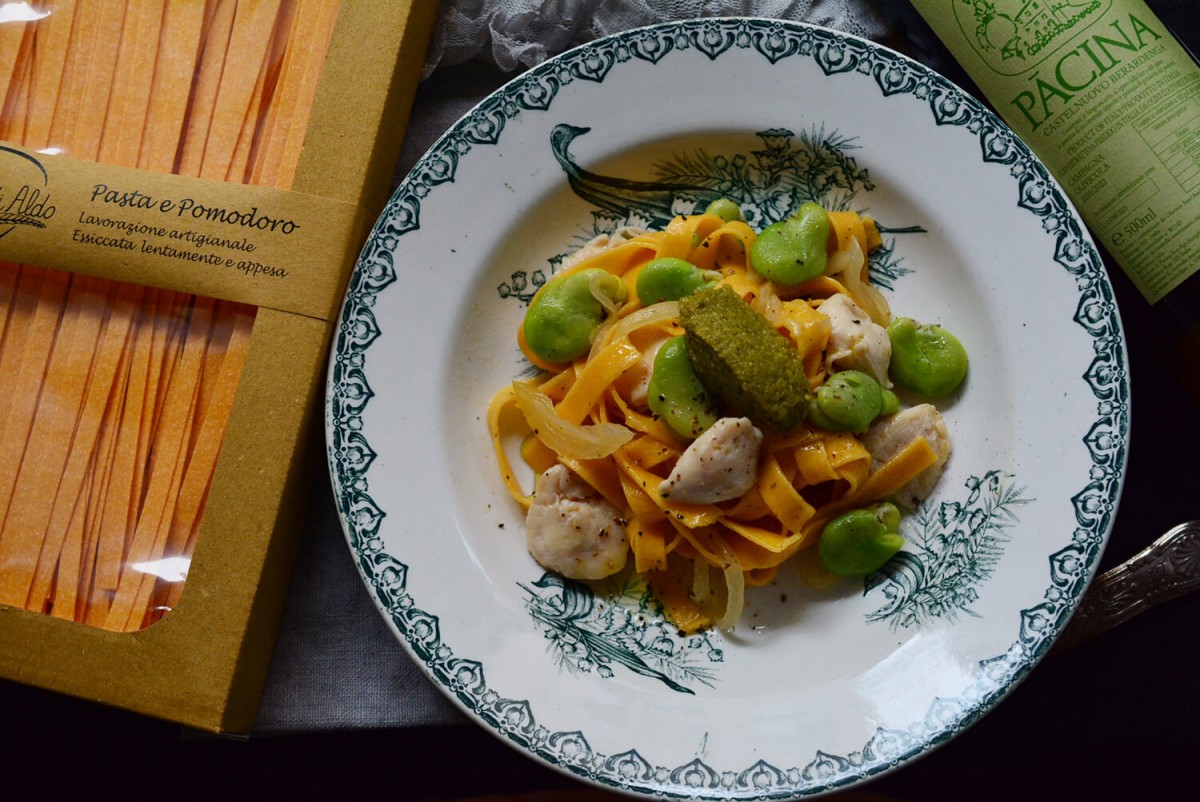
(599, 244)
(888, 436)
(571, 530)
(719, 465)
(856, 342)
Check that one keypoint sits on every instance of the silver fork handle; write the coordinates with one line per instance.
(1166, 569)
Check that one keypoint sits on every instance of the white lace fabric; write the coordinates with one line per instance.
(517, 34)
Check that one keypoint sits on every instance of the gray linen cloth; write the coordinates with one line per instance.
(336, 665)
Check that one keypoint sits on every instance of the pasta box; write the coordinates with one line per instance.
(184, 189)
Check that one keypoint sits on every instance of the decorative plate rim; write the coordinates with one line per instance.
(350, 454)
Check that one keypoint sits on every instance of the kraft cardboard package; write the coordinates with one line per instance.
(286, 253)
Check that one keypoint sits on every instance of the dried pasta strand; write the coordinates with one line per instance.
(181, 37)
(119, 499)
(314, 48)
(15, 556)
(16, 99)
(70, 561)
(262, 99)
(12, 43)
(172, 435)
(236, 168)
(92, 606)
(67, 515)
(278, 152)
(51, 35)
(215, 409)
(98, 81)
(208, 72)
(133, 78)
(214, 418)
(249, 42)
(263, 158)
(49, 439)
(76, 62)
(166, 344)
(18, 311)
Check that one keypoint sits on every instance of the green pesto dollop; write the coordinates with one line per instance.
(743, 360)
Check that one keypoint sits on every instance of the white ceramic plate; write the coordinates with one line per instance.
(811, 692)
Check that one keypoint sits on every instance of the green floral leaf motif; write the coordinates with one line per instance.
(522, 284)
(586, 633)
(884, 265)
(954, 547)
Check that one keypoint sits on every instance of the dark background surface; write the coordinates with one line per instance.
(1117, 717)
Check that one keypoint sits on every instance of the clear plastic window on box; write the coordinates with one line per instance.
(114, 397)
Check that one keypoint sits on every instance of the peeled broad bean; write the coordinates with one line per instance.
(676, 394)
(859, 542)
(725, 209)
(847, 402)
(563, 317)
(926, 358)
(891, 403)
(669, 279)
(793, 250)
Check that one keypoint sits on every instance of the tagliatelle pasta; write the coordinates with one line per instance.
(590, 415)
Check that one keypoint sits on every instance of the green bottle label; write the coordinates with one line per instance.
(1110, 101)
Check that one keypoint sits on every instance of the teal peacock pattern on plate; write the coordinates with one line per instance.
(351, 455)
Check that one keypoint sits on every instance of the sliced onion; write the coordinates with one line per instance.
(852, 264)
(876, 305)
(567, 439)
(604, 299)
(701, 583)
(611, 308)
(663, 312)
(600, 337)
(735, 583)
(767, 303)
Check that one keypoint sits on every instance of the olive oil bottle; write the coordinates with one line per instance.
(1109, 100)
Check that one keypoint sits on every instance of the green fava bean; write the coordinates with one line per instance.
(847, 402)
(669, 279)
(725, 209)
(859, 542)
(564, 315)
(676, 394)
(793, 250)
(891, 403)
(926, 359)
